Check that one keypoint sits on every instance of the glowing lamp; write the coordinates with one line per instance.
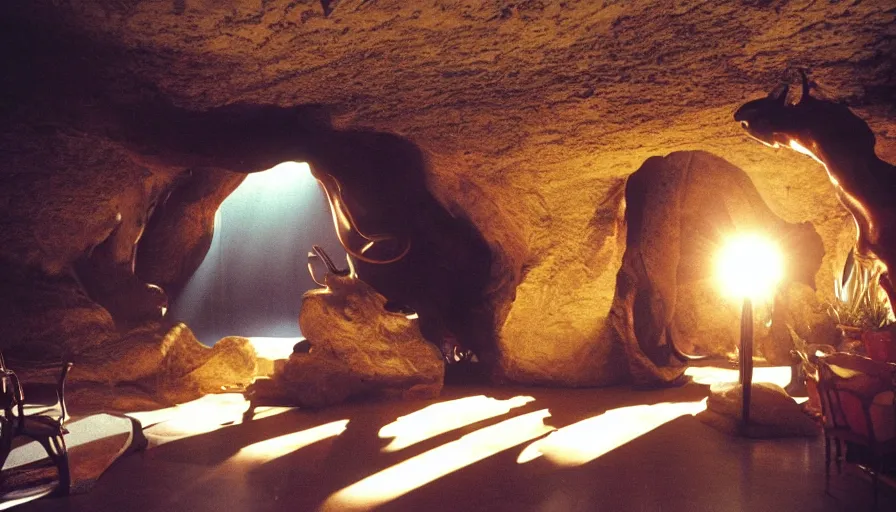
(749, 267)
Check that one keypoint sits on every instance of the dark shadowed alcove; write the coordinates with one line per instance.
(446, 272)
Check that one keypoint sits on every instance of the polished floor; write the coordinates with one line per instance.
(483, 449)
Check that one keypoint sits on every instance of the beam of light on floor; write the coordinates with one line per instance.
(442, 417)
(201, 416)
(270, 449)
(80, 432)
(429, 466)
(709, 375)
(16, 498)
(588, 439)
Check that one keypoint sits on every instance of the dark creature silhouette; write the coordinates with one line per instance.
(844, 144)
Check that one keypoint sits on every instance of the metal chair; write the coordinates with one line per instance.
(850, 388)
(46, 424)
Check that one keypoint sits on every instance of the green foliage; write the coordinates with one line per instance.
(861, 303)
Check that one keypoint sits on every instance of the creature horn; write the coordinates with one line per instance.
(780, 93)
(331, 267)
(319, 254)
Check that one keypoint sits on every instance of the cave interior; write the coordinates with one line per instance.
(269, 237)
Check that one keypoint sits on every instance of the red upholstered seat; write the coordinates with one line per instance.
(858, 407)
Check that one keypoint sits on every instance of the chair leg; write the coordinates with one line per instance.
(58, 452)
(65, 475)
(839, 457)
(874, 479)
(827, 463)
(6, 436)
(250, 412)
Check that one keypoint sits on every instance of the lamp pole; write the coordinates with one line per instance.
(746, 356)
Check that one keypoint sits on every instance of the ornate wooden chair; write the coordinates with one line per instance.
(859, 411)
(44, 422)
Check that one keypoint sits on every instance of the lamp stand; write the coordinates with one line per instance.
(746, 357)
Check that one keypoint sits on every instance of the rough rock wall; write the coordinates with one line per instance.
(680, 211)
(531, 114)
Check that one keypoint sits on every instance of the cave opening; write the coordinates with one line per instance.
(251, 281)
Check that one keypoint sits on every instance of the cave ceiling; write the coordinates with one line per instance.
(523, 84)
(530, 113)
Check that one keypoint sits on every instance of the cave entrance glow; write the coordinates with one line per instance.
(252, 279)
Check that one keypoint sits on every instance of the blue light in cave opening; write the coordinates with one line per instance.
(252, 278)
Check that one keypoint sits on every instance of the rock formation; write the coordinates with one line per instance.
(679, 211)
(773, 413)
(358, 349)
(523, 120)
(167, 368)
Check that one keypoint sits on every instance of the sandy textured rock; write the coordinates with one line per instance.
(357, 349)
(191, 370)
(173, 367)
(49, 316)
(680, 210)
(180, 229)
(530, 115)
(773, 413)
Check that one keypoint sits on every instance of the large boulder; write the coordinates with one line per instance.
(358, 348)
(679, 211)
(46, 316)
(173, 367)
(773, 413)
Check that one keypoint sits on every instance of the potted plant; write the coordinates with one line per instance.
(862, 312)
(804, 377)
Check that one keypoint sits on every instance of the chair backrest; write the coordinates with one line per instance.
(848, 385)
(9, 387)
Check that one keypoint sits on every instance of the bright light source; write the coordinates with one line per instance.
(271, 449)
(442, 417)
(749, 266)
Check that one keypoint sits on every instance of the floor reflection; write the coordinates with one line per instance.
(709, 375)
(201, 416)
(270, 449)
(588, 439)
(443, 417)
(429, 466)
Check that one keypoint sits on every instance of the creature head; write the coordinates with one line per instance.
(807, 126)
(766, 119)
